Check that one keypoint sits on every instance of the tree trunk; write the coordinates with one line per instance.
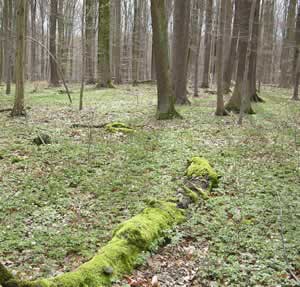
(268, 40)
(296, 67)
(135, 43)
(229, 65)
(253, 57)
(220, 34)
(200, 7)
(117, 55)
(104, 75)
(8, 46)
(89, 41)
(234, 103)
(165, 109)
(61, 37)
(180, 50)
(42, 15)
(207, 41)
(34, 72)
(287, 47)
(18, 109)
(54, 80)
(246, 102)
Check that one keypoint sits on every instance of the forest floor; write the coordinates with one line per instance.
(60, 202)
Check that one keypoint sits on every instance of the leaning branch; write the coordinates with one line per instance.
(57, 64)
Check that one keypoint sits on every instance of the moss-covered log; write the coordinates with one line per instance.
(120, 255)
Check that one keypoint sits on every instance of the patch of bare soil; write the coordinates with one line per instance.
(173, 265)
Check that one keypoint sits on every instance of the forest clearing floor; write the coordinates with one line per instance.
(60, 202)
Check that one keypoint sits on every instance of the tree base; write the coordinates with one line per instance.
(168, 116)
(183, 102)
(257, 99)
(221, 113)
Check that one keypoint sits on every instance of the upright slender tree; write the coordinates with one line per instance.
(200, 9)
(235, 101)
(34, 66)
(286, 76)
(117, 50)
(8, 46)
(296, 63)
(104, 73)
(207, 43)
(230, 60)
(18, 108)
(165, 109)
(180, 50)
(90, 41)
(135, 42)
(221, 20)
(54, 79)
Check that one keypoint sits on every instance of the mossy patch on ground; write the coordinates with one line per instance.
(117, 127)
(120, 255)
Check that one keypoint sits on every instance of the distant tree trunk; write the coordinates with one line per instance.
(104, 74)
(54, 79)
(253, 57)
(83, 54)
(89, 41)
(117, 55)
(229, 63)
(34, 72)
(135, 43)
(234, 103)
(180, 50)
(18, 108)
(287, 47)
(166, 109)
(220, 34)
(207, 41)
(8, 46)
(246, 96)
(200, 7)
(296, 63)
(268, 40)
(42, 15)
(61, 36)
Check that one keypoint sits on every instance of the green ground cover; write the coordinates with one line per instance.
(60, 202)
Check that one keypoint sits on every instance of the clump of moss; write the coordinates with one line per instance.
(192, 195)
(120, 255)
(119, 128)
(200, 167)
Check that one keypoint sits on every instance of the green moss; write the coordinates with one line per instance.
(200, 167)
(161, 216)
(5, 275)
(191, 194)
(120, 255)
(119, 127)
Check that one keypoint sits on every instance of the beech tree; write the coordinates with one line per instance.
(104, 73)
(235, 101)
(54, 79)
(180, 50)
(207, 42)
(165, 109)
(18, 108)
(296, 63)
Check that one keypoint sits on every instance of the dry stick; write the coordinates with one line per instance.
(89, 126)
(57, 64)
(245, 89)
